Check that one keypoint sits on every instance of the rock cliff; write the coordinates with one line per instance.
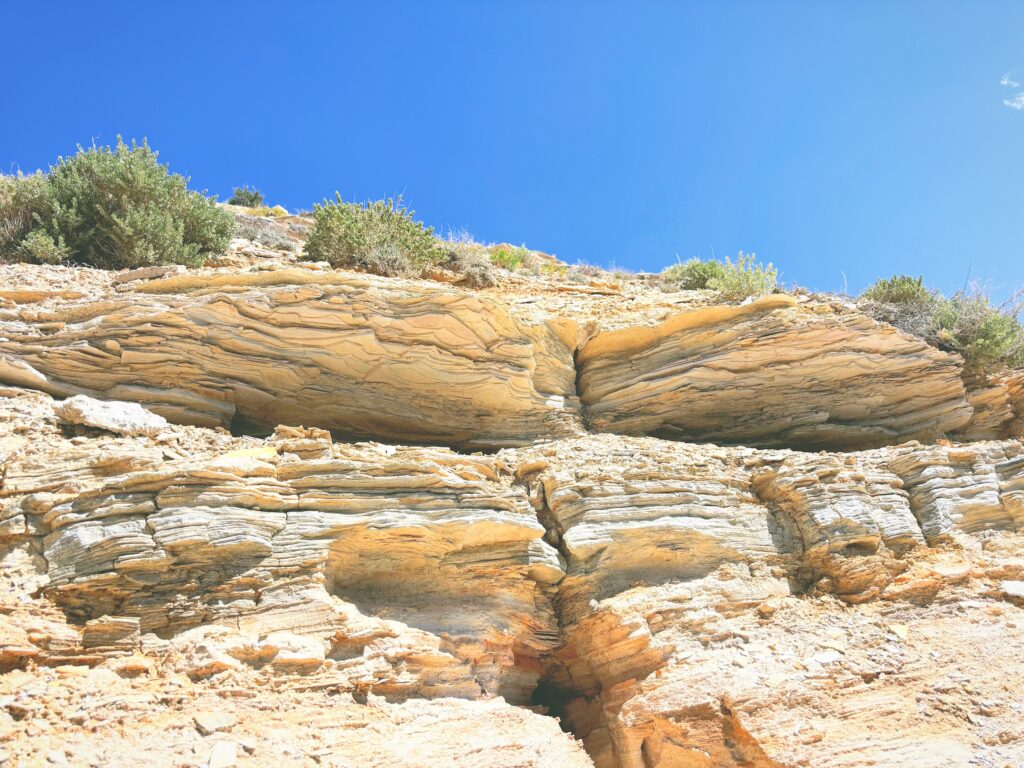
(241, 520)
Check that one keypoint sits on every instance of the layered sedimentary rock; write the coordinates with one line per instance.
(439, 366)
(675, 604)
(992, 413)
(771, 373)
(686, 642)
(261, 556)
(1014, 384)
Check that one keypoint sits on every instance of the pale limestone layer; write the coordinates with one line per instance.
(440, 366)
(408, 572)
(677, 603)
(688, 644)
(94, 717)
(771, 372)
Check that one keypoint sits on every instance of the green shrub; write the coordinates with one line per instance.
(988, 338)
(38, 247)
(21, 199)
(734, 280)
(117, 209)
(904, 302)
(246, 196)
(898, 289)
(745, 277)
(694, 274)
(381, 237)
(510, 257)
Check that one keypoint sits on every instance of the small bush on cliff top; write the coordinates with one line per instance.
(693, 275)
(111, 208)
(734, 280)
(899, 289)
(510, 257)
(475, 268)
(988, 338)
(381, 237)
(246, 196)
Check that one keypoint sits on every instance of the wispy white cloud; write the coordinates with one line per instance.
(1017, 102)
(1005, 80)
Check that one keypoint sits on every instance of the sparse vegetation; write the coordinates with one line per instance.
(988, 338)
(38, 247)
(382, 237)
(265, 234)
(734, 280)
(246, 196)
(475, 268)
(110, 208)
(899, 289)
(694, 274)
(21, 199)
(510, 257)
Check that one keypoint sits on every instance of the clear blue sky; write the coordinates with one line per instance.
(828, 137)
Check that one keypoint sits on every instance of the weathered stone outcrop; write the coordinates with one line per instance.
(687, 641)
(1014, 384)
(676, 604)
(771, 373)
(992, 413)
(404, 571)
(440, 366)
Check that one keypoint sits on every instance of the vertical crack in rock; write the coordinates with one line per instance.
(629, 517)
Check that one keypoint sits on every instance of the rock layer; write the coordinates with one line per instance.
(260, 556)
(676, 604)
(441, 367)
(699, 606)
(771, 373)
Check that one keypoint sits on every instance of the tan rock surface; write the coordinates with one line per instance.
(351, 356)
(771, 373)
(715, 638)
(96, 718)
(302, 601)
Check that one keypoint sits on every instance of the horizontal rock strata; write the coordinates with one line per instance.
(674, 603)
(771, 373)
(408, 571)
(684, 643)
(439, 367)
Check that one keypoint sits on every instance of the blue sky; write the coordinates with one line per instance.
(831, 138)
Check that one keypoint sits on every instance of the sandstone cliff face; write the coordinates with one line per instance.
(392, 360)
(685, 643)
(350, 357)
(175, 593)
(264, 543)
(769, 373)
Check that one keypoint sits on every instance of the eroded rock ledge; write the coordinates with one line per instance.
(416, 363)
(438, 366)
(771, 373)
(706, 605)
